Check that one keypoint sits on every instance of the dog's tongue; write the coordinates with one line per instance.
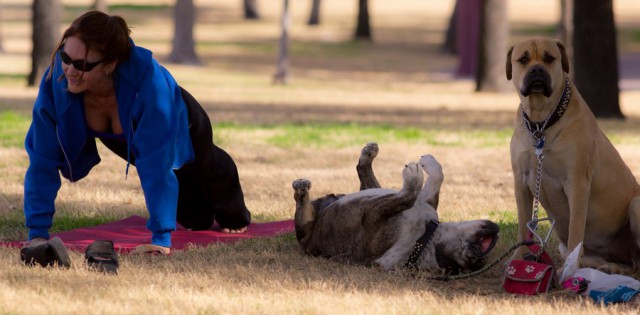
(485, 243)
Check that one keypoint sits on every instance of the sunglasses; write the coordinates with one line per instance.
(80, 65)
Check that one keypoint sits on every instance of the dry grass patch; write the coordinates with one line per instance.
(397, 91)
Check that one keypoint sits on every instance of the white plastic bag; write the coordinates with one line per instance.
(595, 279)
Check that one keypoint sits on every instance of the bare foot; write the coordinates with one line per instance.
(151, 249)
(234, 231)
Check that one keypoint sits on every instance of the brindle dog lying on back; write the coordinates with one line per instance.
(389, 228)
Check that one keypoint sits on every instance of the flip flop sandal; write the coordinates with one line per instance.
(152, 250)
(50, 253)
(101, 256)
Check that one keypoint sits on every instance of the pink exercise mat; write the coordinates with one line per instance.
(128, 233)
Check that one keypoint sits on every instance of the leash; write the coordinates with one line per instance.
(536, 130)
(531, 225)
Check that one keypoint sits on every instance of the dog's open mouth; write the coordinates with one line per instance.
(536, 86)
(487, 243)
(486, 239)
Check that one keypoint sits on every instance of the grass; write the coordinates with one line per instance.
(13, 128)
(396, 91)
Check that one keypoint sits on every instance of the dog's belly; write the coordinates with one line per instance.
(340, 233)
(408, 226)
(354, 198)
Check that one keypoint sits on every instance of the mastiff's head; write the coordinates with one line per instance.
(537, 66)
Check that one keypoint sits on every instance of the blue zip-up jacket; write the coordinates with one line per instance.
(155, 123)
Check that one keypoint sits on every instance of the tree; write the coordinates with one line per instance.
(282, 72)
(493, 43)
(596, 56)
(363, 29)
(251, 9)
(45, 35)
(101, 5)
(183, 43)
(314, 17)
(565, 29)
(449, 44)
(1, 48)
(467, 36)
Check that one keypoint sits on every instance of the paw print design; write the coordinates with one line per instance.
(529, 269)
(539, 274)
(511, 270)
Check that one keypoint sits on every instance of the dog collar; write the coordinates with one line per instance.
(421, 243)
(536, 129)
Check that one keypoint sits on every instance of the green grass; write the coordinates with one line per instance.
(635, 35)
(318, 135)
(13, 128)
(69, 222)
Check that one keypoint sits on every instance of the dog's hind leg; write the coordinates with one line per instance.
(365, 170)
(634, 220)
(431, 191)
(305, 213)
(599, 263)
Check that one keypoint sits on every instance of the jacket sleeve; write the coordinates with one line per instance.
(42, 179)
(156, 121)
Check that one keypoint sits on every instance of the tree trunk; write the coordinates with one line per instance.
(101, 5)
(1, 48)
(314, 17)
(251, 10)
(45, 35)
(183, 43)
(282, 72)
(494, 39)
(566, 29)
(596, 56)
(467, 36)
(449, 44)
(363, 29)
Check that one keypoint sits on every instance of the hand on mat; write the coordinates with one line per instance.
(151, 249)
(234, 231)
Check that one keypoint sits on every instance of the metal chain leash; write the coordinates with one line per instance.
(538, 138)
(536, 195)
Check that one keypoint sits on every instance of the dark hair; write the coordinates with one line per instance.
(106, 34)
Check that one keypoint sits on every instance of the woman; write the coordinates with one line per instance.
(101, 85)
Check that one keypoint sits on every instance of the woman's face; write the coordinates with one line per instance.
(82, 81)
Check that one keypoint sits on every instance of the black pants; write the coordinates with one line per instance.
(209, 187)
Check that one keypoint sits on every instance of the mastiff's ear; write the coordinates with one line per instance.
(508, 66)
(565, 59)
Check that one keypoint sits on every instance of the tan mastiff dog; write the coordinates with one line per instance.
(586, 187)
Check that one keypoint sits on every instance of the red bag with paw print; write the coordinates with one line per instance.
(530, 276)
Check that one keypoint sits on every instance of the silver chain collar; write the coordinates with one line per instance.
(538, 137)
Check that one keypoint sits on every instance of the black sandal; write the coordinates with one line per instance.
(50, 253)
(101, 256)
